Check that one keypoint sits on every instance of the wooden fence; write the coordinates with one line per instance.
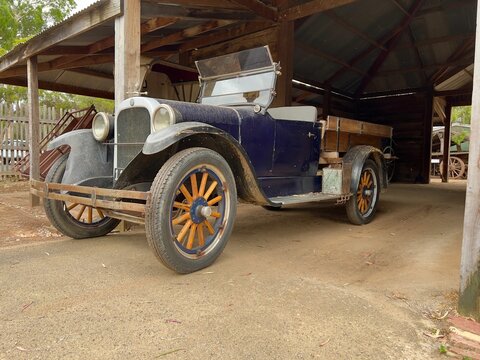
(14, 138)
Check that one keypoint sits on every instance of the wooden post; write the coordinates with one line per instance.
(285, 39)
(33, 124)
(469, 300)
(427, 138)
(127, 52)
(446, 142)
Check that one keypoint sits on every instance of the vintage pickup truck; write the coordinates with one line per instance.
(179, 168)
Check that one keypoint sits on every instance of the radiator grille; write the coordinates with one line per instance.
(133, 127)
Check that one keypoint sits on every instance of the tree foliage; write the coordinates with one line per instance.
(19, 21)
(462, 114)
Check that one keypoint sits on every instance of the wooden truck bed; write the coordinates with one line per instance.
(341, 134)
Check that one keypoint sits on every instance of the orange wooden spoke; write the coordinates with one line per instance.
(82, 209)
(89, 215)
(191, 236)
(74, 205)
(100, 212)
(203, 184)
(201, 237)
(185, 193)
(216, 214)
(209, 227)
(181, 219)
(369, 183)
(184, 230)
(210, 190)
(193, 180)
(215, 200)
(359, 199)
(182, 206)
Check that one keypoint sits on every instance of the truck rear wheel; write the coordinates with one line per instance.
(191, 210)
(71, 219)
(362, 206)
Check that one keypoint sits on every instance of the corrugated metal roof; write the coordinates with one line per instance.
(336, 48)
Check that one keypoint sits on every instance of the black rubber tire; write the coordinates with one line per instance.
(61, 218)
(353, 213)
(163, 190)
(272, 208)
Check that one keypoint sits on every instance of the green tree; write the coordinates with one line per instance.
(19, 21)
(462, 114)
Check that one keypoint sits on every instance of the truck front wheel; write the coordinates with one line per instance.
(191, 210)
(71, 219)
(362, 206)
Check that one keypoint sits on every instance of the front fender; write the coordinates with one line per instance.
(354, 160)
(160, 146)
(164, 138)
(89, 162)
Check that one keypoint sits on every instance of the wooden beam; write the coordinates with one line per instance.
(93, 73)
(310, 8)
(390, 45)
(51, 66)
(217, 4)
(69, 89)
(469, 299)
(33, 124)
(446, 142)
(427, 137)
(259, 8)
(316, 52)
(65, 50)
(184, 34)
(285, 50)
(75, 25)
(192, 11)
(331, 14)
(224, 35)
(127, 52)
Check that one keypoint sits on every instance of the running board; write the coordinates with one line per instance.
(306, 198)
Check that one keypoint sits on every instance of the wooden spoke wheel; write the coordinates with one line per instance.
(362, 205)
(456, 167)
(191, 211)
(72, 219)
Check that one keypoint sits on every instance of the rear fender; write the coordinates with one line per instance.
(353, 162)
(89, 163)
(160, 146)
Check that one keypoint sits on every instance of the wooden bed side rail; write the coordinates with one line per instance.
(109, 199)
(335, 123)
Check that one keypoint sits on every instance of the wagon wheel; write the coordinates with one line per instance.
(72, 219)
(362, 206)
(191, 210)
(456, 167)
(389, 155)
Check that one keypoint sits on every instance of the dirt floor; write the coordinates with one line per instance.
(301, 283)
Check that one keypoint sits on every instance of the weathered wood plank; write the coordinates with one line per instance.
(34, 122)
(310, 8)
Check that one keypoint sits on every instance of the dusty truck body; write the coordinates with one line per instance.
(180, 167)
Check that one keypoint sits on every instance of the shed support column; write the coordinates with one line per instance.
(127, 52)
(427, 138)
(446, 142)
(469, 301)
(33, 124)
(285, 39)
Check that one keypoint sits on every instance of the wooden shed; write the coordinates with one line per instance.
(401, 63)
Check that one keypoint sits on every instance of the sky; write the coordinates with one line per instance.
(82, 4)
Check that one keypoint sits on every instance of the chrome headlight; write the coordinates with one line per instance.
(102, 126)
(164, 117)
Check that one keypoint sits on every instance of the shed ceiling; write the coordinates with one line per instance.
(364, 48)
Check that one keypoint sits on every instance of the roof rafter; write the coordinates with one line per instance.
(259, 8)
(390, 45)
(184, 34)
(310, 8)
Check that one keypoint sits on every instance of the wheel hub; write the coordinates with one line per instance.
(200, 210)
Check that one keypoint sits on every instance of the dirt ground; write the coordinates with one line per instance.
(301, 283)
